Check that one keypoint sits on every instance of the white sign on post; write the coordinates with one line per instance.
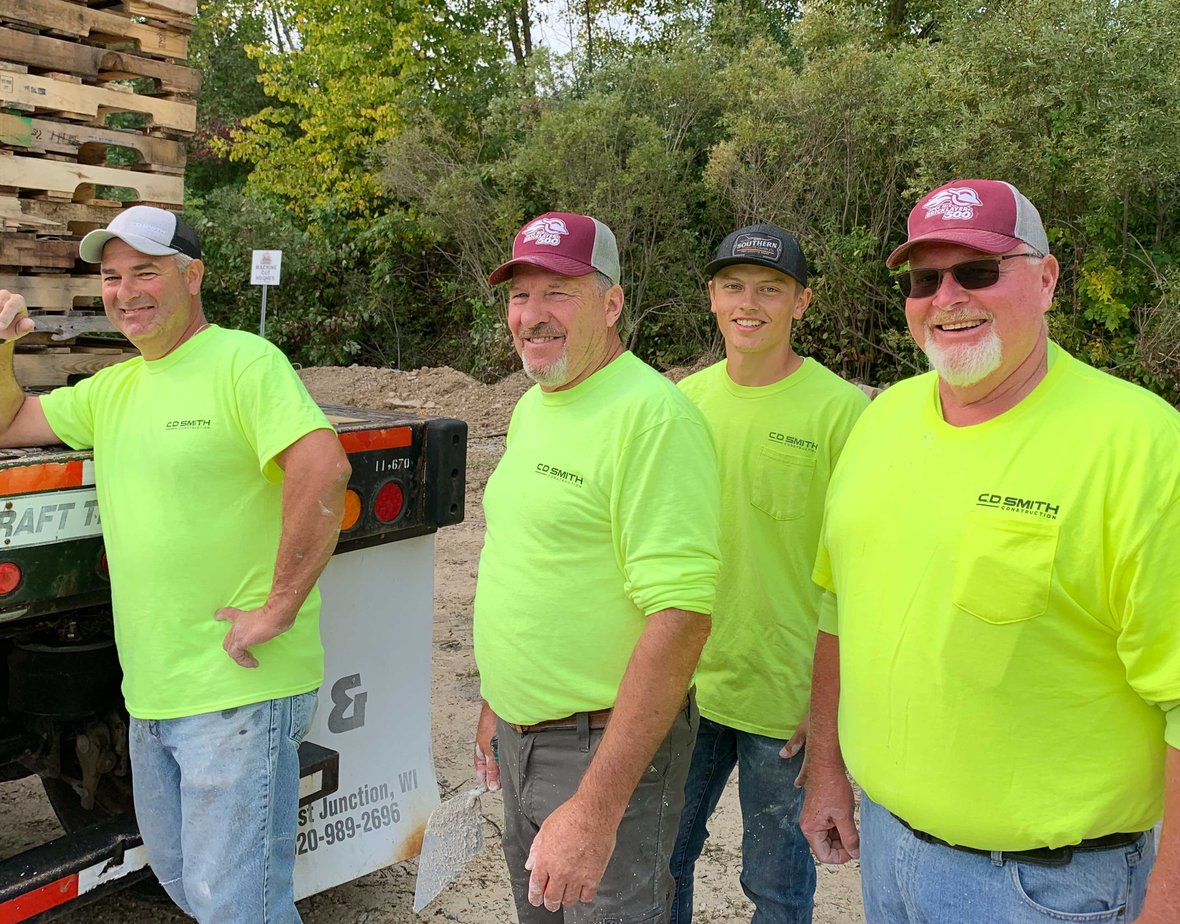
(266, 267)
(265, 270)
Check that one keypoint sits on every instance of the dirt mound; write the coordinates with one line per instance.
(437, 392)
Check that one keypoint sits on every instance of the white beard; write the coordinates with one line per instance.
(967, 365)
(556, 373)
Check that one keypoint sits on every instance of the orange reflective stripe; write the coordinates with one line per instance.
(40, 476)
(391, 438)
(49, 896)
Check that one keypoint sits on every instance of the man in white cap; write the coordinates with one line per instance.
(221, 487)
(595, 587)
(1000, 637)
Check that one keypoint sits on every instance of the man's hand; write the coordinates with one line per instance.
(487, 771)
(250, 627)
(569, 856)
(792, 747)
(14, 316)
(827, 819)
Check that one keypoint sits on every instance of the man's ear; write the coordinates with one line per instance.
(801, 303)
(193, 276)
(614, 305)
(1050, 270)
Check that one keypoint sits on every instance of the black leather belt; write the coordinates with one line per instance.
(1043, 856)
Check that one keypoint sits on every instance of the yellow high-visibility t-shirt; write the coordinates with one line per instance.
(191, 504)
(602, 511)
(1007, 597)
(777, 445)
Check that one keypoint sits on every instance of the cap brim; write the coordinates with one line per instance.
(986, 241)
(92, 244)
(711, 268)
(566, 266)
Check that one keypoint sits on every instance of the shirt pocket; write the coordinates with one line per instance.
(1004, 567)
(782, 483)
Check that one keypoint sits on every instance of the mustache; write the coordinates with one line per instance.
(541, 330)
(952, 317)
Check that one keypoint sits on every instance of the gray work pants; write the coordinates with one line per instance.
(541, 770)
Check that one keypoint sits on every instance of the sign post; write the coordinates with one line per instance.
(265, 270)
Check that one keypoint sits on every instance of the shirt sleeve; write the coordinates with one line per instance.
(275, 409)
(1147, 593)
(828, 620)
(666, 513)
(70, 413)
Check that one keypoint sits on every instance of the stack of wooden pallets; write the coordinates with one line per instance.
(95, 102)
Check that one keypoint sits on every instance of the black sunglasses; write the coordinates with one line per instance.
(972, 274)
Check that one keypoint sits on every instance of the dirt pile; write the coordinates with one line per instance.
(437, 392)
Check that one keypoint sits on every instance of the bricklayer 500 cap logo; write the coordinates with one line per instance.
(954, 202)
(546, 231)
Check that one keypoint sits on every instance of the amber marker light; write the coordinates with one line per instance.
(352, 510)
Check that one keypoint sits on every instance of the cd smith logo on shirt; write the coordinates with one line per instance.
(794, 442)
(559, 474)
(188, 424)
(1036, 508)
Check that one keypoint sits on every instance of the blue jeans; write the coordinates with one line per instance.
(907, 881)
(778, 873)
(217, 801)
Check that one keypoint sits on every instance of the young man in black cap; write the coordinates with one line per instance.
(780, 421)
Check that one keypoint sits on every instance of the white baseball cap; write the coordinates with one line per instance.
(156, 232)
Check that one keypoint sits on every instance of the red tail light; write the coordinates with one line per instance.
(10, 576)
(390, 501)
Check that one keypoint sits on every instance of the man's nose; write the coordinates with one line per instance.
(127, 289)
(533, 312)
(949, 291)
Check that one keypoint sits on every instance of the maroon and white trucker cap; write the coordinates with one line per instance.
(156, 232)
(565, 243)
(988, 215)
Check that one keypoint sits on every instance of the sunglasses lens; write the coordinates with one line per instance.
(919, 283)
(976, 274)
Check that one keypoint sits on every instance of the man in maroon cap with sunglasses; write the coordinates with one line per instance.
(999, 644)
(595, 587)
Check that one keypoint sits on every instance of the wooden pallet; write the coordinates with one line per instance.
(49, 216)
(88, 144)
(96, 65)
(96, 26)
(57, 292)
(175, 13)
(76, 182)
(39, 366)
(81, 102)
(27, 250)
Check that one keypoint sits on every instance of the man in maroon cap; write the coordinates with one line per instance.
(999, 643)
(595, 586)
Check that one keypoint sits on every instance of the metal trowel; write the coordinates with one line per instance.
(454, 835)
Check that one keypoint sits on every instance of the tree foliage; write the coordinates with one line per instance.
(407, 141)
(361, 72)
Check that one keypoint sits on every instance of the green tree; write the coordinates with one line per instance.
(230, 88)
(359, 75)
